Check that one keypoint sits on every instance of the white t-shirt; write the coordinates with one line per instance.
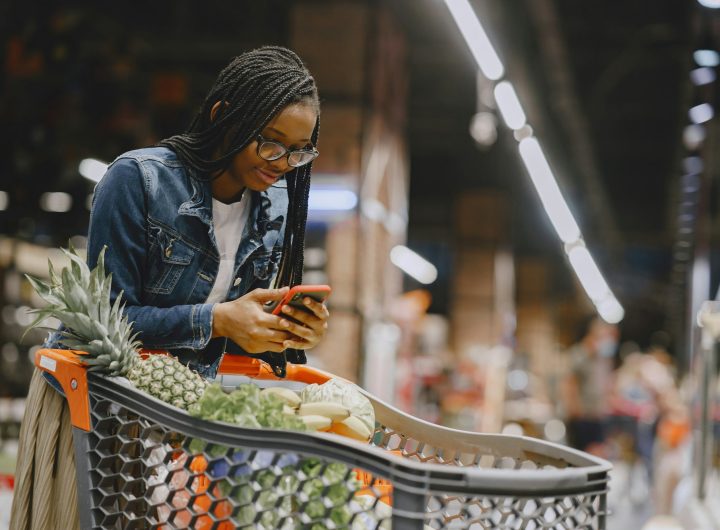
(229, 221)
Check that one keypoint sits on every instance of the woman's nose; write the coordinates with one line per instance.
(280, 165)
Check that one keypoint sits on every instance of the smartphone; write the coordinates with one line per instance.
(295, 296)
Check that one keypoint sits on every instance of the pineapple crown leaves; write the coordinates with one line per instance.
(80, 299)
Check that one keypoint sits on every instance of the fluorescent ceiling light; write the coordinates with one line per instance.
(702, 76)
(413, 264)
(56, 201)
(4, 200)
(693, 136)
(610, 310)
(701, 113)
(374, 210)
(509, 105)
(709, 58)
(476, 39)
(588, 273)
(331, 200)
(546, 186)
(92, 169)
(712, 4)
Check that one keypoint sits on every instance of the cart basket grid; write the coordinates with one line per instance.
(142, 463)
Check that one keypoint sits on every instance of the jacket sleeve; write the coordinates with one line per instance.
(118, 221)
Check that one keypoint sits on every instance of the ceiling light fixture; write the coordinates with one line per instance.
(702, 76)
(552, 200)
(706, 57)
(331, 199)
(701, 113)
(56, 201)
(509, 105)
(413, 264)
(588, 272)
(92, 169)
(537, 165)
(476, 38)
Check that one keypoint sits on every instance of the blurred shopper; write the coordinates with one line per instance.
(587, 386)
(197, 229)
(634, 415)
(672, 452)
(633, 412)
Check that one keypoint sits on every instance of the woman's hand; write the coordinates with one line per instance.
(311, 325)
(245, 322)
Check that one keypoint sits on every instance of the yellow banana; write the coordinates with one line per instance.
(334, 411)
(287, 395)
(316, 422)
(352, 427)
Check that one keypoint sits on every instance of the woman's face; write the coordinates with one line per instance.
(292, 127)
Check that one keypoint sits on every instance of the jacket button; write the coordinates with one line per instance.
(168, 251)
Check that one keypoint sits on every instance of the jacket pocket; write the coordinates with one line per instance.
(168, 259)
(266, 265)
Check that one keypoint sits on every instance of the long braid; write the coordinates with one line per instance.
(291, 265)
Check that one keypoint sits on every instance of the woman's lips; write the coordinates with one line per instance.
(270, 178)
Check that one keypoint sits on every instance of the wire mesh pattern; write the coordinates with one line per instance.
(144, 465)
(581, 512)
(511, 513)
(143, 475)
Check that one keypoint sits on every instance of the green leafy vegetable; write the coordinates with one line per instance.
(245, 406)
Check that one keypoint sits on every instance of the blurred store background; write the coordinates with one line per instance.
(461, 278)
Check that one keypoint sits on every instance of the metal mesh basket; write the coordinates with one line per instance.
(144, 464)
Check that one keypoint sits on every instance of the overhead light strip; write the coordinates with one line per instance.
(537, 165)
(476, 38)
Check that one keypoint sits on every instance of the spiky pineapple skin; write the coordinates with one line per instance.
(167, 379)
(80, 299)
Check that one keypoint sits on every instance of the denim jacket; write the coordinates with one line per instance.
(157, 223)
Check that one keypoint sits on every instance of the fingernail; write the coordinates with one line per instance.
(306, 301)
(284, 323)
(287, 309)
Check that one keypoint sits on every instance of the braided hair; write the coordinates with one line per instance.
(255, 87)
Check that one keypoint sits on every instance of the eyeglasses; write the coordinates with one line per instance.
(271, 150)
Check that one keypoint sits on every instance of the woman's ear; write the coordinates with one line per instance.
(214, 110)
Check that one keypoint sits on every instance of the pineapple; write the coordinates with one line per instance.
(80, 299)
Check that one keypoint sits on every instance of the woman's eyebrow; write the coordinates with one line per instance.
(280, 133)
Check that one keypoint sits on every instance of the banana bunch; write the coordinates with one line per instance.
(322, 415)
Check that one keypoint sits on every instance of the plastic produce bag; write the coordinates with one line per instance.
(345, 393)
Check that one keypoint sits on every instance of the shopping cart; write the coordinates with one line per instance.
(144, 464)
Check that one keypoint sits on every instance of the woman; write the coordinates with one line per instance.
(197, 229)
(217, 220)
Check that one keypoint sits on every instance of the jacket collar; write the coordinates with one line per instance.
(200, 205)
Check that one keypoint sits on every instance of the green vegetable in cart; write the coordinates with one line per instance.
(246, 406)
(80, 299)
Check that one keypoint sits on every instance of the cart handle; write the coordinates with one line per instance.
(232, 364)
(68, 369)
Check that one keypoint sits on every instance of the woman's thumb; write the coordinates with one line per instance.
(269, 295)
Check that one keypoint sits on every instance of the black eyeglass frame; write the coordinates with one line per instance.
(287, 152)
